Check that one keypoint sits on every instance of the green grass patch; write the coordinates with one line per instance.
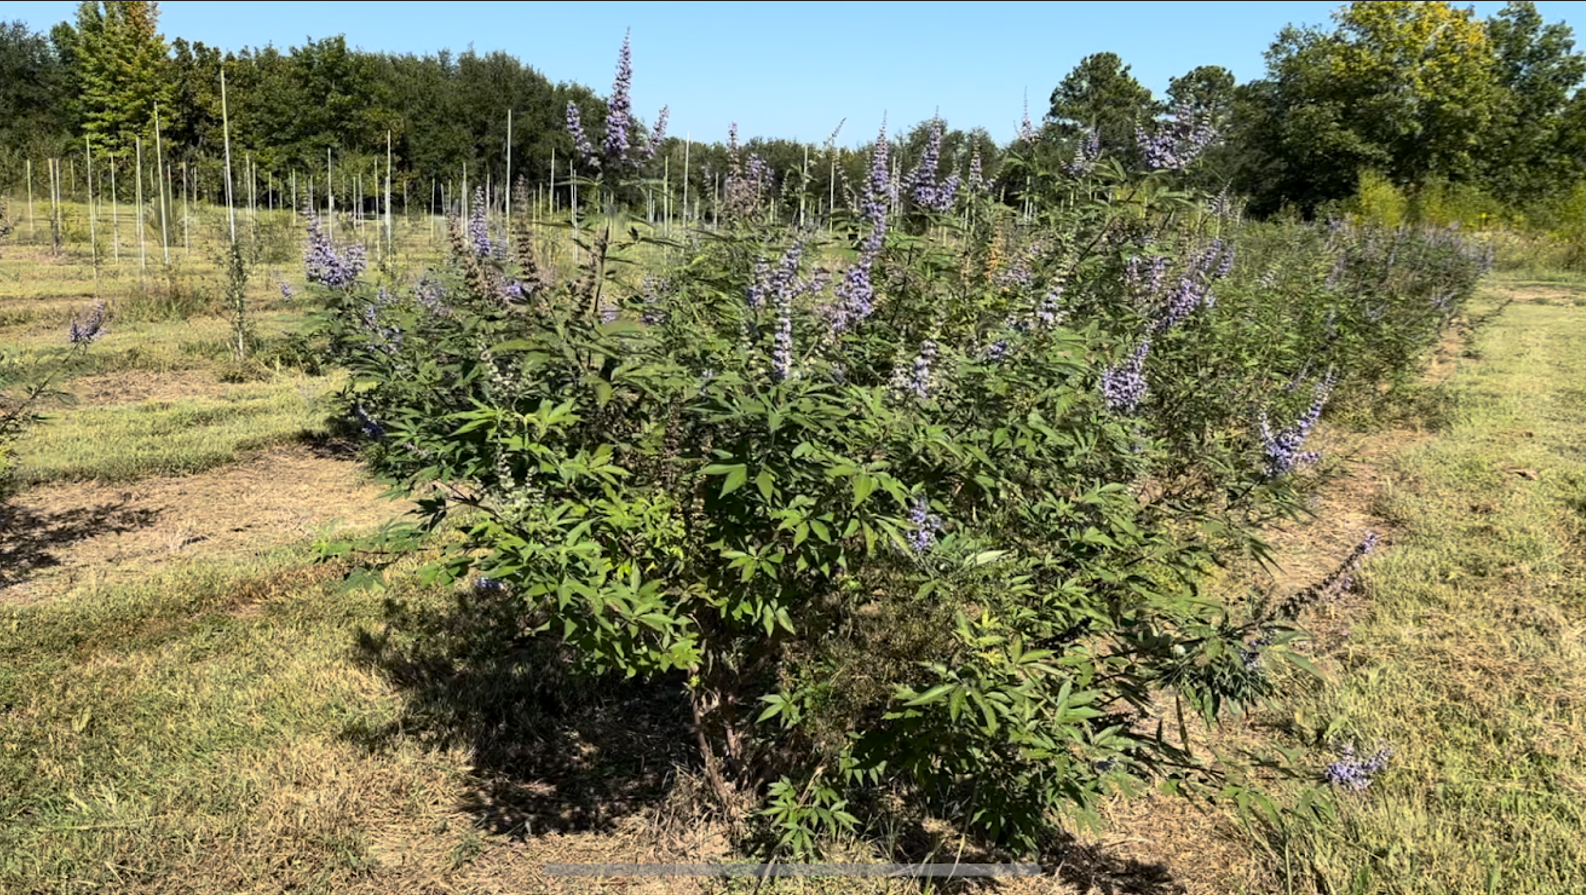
(169, 437)
(1471, 658)
(191, 728)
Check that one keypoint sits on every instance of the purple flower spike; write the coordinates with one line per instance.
(1123, 387)
(619, 108)
(921, 182)
(326, 267)
(575, 126)
(920, 380)
(1283, 450)
(90, 329)
(855, 295)
(479, 225)
(1353, 773)
(782, 356)
(926, 525)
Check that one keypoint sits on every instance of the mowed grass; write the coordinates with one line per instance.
(188, 734)
(1470, 659)
(126, 442)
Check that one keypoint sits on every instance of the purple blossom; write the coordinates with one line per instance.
(1049, 311)
(997, 351)
(978, 185)
(430, 293)
(1086, 154)
(1353, 773)
(1283, 449)
(608, 312)
(658, 134)
(920, 378)
(324, 266)
(921, 182)
(619, 151)
(1027, 131)
(1215, 261)
(366, 422)
(575, 126)
(1251, 654)
(855, 295)
(286, 290)
(782, 355)
(385, 338)
(1016, 275)
(90, 329)
(619, 108)
(1177, 142)
(1123, 386)
(926, 525)
(1144, 279)
(1186, 296)
(479, 225)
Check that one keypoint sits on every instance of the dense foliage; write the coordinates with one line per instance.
(924, 510)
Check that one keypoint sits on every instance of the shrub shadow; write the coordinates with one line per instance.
(556, 752)
(31, 540)
(551, 750)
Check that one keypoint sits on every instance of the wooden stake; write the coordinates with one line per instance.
(225, 125)
(165, 210)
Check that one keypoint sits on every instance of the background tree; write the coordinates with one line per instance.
(1406, 88)
(1529, 156)
(1101, 94)
(33, 98)
(121, 67)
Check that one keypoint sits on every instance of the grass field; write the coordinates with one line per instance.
(189, 704)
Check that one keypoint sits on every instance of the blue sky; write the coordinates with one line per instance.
(789, 69)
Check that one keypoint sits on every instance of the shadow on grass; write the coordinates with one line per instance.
(32, 540)
(551, 750)
(556, 752)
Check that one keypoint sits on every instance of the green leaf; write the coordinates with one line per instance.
(863, 485)
(736, 473)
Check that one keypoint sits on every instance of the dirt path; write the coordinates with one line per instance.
(56, 537)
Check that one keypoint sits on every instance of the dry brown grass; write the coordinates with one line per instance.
(63, 535)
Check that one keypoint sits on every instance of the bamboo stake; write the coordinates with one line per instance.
(165, 211)
(93, 230)
(187, 216)
(225, 124)
(143, 251)
(32, 232)
(507, 204)
(115, 214)
(390, 240)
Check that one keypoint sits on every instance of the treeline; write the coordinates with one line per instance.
(1481, 119)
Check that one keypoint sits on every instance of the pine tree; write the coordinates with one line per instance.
(122, 69)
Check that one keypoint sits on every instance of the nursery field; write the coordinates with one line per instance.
(190, 704)
(1103, 528)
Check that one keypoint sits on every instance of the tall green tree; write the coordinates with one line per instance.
(121, 69)
(1407, 88)
(1100, 94)
(33, 94)
(1534, 153)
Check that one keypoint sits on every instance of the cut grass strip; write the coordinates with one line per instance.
(1471, 659)
(126, 442)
